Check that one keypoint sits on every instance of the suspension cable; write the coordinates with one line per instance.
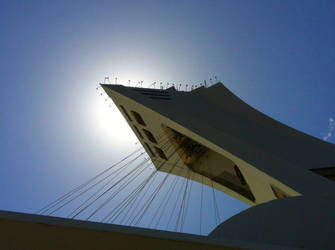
(120, 189)
(175, 205)
(183, 200)
(164, 199)
(216, 209)
(67, 195)
(173, 185)
(120, 170)
(136, 191)
(156, 192)
(84, 208)
(81, 210)
(124, 207)
(187, 202)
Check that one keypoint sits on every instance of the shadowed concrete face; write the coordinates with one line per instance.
(305, 222)
(27, 231)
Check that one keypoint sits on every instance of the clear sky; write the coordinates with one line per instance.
(56, 131)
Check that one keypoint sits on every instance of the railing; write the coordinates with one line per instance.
(161, 85)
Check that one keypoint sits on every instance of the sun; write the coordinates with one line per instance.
(108, 123)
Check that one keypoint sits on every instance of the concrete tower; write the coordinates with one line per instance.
(245, 153)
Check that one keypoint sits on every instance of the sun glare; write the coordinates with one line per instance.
(108, 123)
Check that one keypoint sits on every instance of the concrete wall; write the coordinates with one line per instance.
(26, 231)
(306, 222)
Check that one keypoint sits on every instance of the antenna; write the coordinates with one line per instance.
(154, 83)
(106, 79)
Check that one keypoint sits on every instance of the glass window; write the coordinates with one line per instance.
(149, 135)
(278, 193)
(239, 175)
(138, 132)
(138, 118)
(126, 113)
(161, 153)
(148, 147)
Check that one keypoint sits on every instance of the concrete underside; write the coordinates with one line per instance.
(303, 222)
(26, 231)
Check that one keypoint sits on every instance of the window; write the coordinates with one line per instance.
(161, 153)
(149, 136)
(239, 175)
(232, 182)
(160, 98)
(148, 147)
(138, 132)
(278, 193)
(154, 93)
(328, 172)
(126, 113)
(138, 118)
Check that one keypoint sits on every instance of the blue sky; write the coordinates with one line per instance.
(278, 56)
